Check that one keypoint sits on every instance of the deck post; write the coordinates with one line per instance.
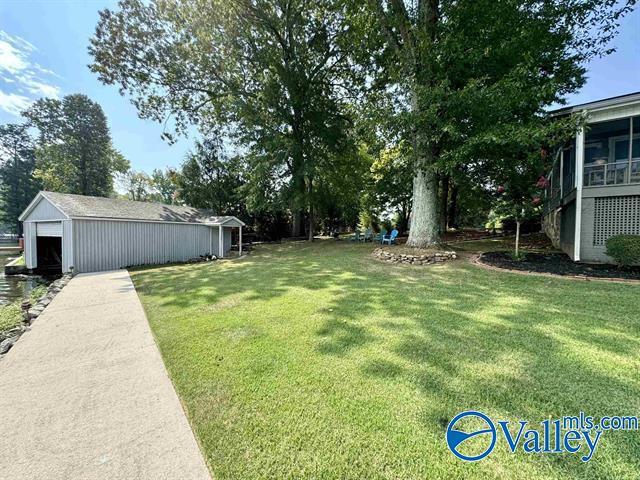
(579, 183)
(240, 242)
(220, 242)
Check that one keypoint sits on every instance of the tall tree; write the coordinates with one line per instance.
(211, 180)
(17, 163)
(165, 186)
(137, 185)
(392, 173)
(74, 152)
(277, 71)
(470, 73)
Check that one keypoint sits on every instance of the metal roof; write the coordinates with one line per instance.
(81, 206)
(598, 104)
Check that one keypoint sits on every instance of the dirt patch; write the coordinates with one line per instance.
(557, 264)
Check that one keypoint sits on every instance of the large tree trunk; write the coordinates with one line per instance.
(424, 211)
(424, 230)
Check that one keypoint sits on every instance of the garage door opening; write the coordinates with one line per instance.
(49, 255)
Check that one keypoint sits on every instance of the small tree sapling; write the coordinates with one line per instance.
(520, 197)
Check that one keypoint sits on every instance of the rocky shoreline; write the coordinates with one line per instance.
(10, 337)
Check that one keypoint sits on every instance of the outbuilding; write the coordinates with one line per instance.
(88, 234)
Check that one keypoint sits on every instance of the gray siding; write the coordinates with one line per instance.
(589, 252)
(30, 251)
(67, 245)
(44, 210)
(611, 191)
(106, 245)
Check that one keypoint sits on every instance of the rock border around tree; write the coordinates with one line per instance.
(389, 256)
(10, 337)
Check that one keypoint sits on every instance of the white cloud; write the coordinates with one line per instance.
(27, 78)
(11, 59)
(38, 88)
(13, 103)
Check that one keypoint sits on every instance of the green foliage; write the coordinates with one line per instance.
(137, 185)
(472, 203)
(209, 179)
(369, 220)
(11, 315)
(392, 178)
(74, 153)
(165, 185)
(624, 249)
(387, 224)
(494, 221)
(340, 192)
(466, 80)
(161, 186)
(518, 256)
(17, 164)
(275, 72)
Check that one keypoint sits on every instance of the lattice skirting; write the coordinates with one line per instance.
(614, 216)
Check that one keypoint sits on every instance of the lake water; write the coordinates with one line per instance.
(16, 287)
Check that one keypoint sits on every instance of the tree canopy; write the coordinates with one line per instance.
(17, 183)
(469, 77)
(275, 73)
(74, 153)
(460, 86)
(209, 179)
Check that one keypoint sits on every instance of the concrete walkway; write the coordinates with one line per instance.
(85, 395)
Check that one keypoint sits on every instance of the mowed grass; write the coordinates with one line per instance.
(316, 361)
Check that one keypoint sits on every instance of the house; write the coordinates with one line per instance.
(88, 234)
(594, 186)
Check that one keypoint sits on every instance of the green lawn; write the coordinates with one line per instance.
(315, 361)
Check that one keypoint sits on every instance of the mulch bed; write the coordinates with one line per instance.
(557, 264)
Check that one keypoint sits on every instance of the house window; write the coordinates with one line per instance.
(607, 155)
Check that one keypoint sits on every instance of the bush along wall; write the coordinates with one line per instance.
(624, 249)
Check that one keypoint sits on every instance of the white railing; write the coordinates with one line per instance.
(617, 173)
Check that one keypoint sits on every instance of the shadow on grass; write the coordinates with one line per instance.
(519, 347)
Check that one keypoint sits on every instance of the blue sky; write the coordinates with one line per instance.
(43, 52)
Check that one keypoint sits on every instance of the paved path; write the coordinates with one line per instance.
(84, 394)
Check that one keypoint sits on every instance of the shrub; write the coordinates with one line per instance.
(624, 249)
